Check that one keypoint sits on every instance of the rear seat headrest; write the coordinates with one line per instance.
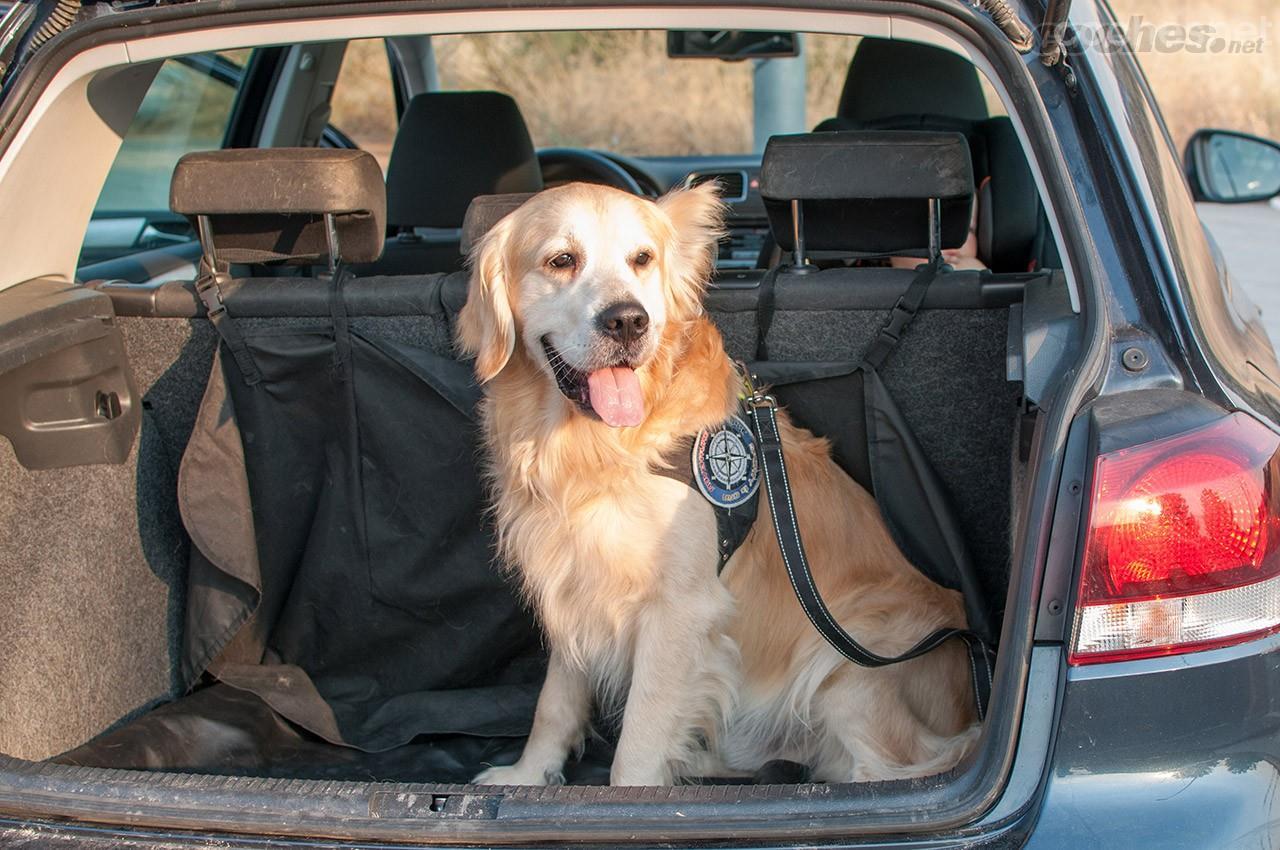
(453, 146)
(268, 204)
(867, 192)
(484, 212)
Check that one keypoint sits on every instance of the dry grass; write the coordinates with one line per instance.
(1238, 92)
(618, 91)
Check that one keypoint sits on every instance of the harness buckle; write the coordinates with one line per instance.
(755, 396)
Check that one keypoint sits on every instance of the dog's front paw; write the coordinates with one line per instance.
(518, 774)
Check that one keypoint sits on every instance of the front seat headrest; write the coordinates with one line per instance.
(451, 147)
(269, 204)
(867, 192)
(484, 212)
(894, 79)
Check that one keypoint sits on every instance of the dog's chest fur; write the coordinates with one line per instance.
(601, 550)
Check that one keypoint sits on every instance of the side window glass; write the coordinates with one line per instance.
(363, 106)
(187, 108)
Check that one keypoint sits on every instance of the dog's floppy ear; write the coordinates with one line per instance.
(697, 217)
(486, 325)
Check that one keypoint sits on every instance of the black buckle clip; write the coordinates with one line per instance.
(899, 318)
(211, 296)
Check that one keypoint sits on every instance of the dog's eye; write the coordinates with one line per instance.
(563, 261)
(642, 259)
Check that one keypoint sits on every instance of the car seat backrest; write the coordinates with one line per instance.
(889, 77)
(451, 147)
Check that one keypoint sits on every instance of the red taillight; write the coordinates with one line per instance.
(1183, 548)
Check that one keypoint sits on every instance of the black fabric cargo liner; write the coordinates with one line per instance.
(407, 360)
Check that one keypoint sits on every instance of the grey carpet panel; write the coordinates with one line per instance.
(948, 377)
(91, 590)
(93, 570)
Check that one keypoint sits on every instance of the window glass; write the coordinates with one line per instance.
(186, 109)
(363, 106)
(619, 91)
(615, 91)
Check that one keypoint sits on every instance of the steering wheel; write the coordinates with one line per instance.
(564, 165)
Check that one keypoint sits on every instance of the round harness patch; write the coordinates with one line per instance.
(724, 463)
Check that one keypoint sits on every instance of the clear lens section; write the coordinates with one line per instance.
(1114, 632)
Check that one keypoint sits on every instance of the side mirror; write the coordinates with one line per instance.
(1226, 167)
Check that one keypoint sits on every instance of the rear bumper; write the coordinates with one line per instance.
(1174, 752)
(1180, 752)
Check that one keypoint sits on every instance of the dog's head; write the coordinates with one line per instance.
(585, 282)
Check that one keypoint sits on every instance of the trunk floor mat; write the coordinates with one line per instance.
(222, 731)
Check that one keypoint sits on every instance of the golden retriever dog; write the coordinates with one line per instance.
(585, 318)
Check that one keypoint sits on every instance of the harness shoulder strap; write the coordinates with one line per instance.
(777, 490)
(904, 311)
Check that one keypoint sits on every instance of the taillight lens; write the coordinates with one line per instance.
(1183, 548)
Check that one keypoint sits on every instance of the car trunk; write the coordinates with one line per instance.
(294, 580)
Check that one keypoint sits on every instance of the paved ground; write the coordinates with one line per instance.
(1249, 236)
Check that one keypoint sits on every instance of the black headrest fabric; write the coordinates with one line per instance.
(484, 212)
(1009, 209)
(451, 147)
(893, 78)
(867, 192)
(268, 204)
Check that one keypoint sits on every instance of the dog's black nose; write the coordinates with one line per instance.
(625, 321)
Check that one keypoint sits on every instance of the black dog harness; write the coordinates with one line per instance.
(722, 464)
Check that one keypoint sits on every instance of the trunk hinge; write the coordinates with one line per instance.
(1018, 33)
(1053, 51)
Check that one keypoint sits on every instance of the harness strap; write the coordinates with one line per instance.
(778, 491)
(904, 311)
(764, 311)
(209, 288)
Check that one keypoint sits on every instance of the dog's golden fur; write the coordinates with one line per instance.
(715, 673)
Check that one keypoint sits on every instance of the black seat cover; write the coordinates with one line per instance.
(451, 147)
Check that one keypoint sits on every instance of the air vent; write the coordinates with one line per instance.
(733, 184)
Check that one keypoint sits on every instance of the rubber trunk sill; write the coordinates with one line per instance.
(468, 813)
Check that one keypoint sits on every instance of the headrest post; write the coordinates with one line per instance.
(935, 229)
(331, 239)
(204, 230)
(797, 234)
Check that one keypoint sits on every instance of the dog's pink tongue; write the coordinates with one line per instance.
(615, 396)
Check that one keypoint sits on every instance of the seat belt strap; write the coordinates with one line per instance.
(777, 490)
(209, 289)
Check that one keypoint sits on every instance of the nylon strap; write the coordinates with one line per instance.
(777, 489)
(764, 311)
(904, 311)
(208, 287)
